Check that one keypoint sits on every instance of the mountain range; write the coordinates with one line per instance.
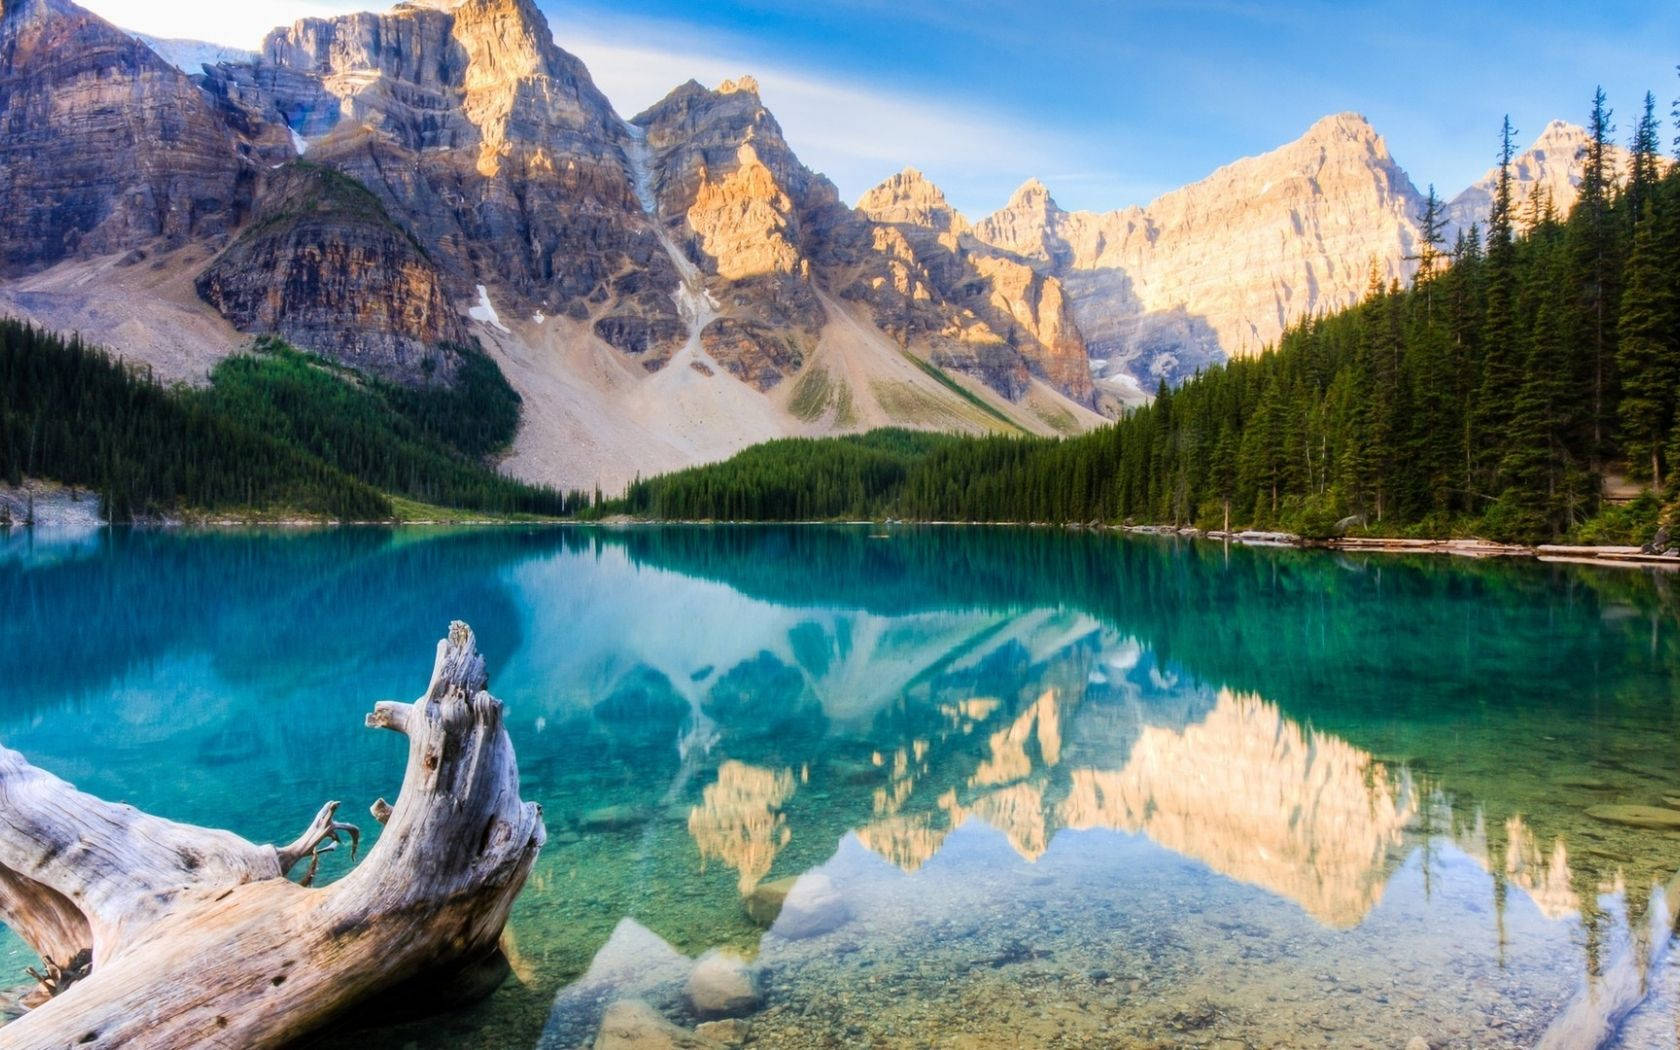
(383, 189)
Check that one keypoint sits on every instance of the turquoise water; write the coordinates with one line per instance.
(1037, 788)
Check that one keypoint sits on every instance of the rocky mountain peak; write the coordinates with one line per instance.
(746, 85)
(1551, 165)
(1346, 126)
(1027, 225)
(910, 197)
(107, 147)
(1032, 195)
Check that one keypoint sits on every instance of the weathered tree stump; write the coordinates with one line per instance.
(157, 934)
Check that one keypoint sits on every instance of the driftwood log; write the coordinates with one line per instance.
(162, 935)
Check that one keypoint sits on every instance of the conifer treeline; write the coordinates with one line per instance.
(1524, 364)
(275, 431)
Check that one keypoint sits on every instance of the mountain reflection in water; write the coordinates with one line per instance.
(1066, 787)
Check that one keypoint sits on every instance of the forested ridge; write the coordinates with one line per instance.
(276, 431)
(1525, 363)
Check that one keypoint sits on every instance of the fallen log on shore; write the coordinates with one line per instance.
(163, 935)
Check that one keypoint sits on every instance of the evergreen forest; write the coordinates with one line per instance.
(1526, 363)
(276, 432)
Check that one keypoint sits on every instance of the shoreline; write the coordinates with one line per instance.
(1462, 547)
(1555, 553)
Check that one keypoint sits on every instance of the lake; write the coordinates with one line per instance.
(1019, 787)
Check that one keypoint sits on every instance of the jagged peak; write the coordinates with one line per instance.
(1346, 124)
(1560, 133)
(691, 95)
(911, 197)
(741, 85)
(1032, 195)
(908, 184)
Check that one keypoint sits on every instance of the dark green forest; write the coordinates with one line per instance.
(276, 431)
(1525, 364)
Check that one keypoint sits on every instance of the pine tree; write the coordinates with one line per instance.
(1649, 352)
(1593, 275)
(1534, 465)
(1646, 146)
(1432, 224)
(1501, 374)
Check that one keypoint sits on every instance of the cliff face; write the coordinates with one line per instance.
(771, 236)
(981, 310)
(1222, 266)
(476, 131)
(103, 145)
(730, 200)
(323, 266)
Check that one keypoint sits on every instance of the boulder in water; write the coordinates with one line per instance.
(721, 986)
(1650, 817)
(631, 1024)
(812, 907)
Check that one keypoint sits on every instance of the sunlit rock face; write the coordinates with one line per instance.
(735, 202)
(1547, 172)
(1220, 267)
(491, 143)
(772, 236)
(982, 311)
(728, 181)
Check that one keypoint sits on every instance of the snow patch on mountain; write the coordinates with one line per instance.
(485, 311)
(191, 56)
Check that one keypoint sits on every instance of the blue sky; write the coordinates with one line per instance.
(1109, 103)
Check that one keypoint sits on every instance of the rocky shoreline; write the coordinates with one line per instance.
(1463, 548)
(47, 505)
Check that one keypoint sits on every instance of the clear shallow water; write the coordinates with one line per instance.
(1040, 789)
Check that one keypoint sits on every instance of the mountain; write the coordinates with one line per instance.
(1220, 267)
(385, 189)
(1550, 168)
(103, 144)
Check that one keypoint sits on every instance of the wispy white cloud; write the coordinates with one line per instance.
(854, 135)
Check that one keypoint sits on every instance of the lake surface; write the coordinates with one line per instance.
(1037, 788)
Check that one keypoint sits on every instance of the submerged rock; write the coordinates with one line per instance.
(812, 907)
(612, 818)
(1651, 817)
(631, 1024)
(764, 903)
(721, 986)
(730, 1031)
(1585, 782)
